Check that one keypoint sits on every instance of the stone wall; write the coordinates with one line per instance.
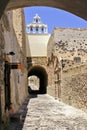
(4, 25)
(74, 86)
(43, 61)
(19, 28)
(68, 43)
(70, 47)
(9, 42)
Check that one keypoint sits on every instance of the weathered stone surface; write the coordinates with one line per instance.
(2, 46)
(42, 61)
(46, 113)
(19, 29)
(10, 42)
(77, 7)
(6, 22)
(68, 43)
(74, 86)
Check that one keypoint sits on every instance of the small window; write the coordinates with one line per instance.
(42, 29)
(31, 29)
(36, 28)
(36, 20)
(77, 59)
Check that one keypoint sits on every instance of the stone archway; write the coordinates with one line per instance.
(41, 73)
(77, 7)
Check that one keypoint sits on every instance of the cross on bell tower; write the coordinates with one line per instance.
(37, 27)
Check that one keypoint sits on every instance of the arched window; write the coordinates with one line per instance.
(31, 28)
(42, 29)
(36, 20)
(36, 29)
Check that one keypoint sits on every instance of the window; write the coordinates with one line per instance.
(77, 59)
(36, 29)
(36, 20)
(42, 29)
(31, 29)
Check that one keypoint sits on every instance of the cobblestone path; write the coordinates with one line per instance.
(46, 113)
(43, 112)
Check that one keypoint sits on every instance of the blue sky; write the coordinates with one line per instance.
(54, 17)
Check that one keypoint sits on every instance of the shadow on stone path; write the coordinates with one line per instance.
(16, 121)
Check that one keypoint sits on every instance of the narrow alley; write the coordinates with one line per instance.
(55, 62)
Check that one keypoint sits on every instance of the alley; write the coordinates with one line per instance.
(46, 113)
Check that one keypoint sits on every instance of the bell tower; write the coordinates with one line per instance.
(37, 27)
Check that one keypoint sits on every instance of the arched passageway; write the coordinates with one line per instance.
(33, 82)
(77, 7)
(41, 73)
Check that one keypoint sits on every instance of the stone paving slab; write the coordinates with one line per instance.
(46, 113)
(17, 120)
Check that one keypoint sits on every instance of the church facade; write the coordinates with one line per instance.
(36, 50)
(37, 38)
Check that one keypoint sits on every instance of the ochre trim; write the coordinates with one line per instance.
(19, 66)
